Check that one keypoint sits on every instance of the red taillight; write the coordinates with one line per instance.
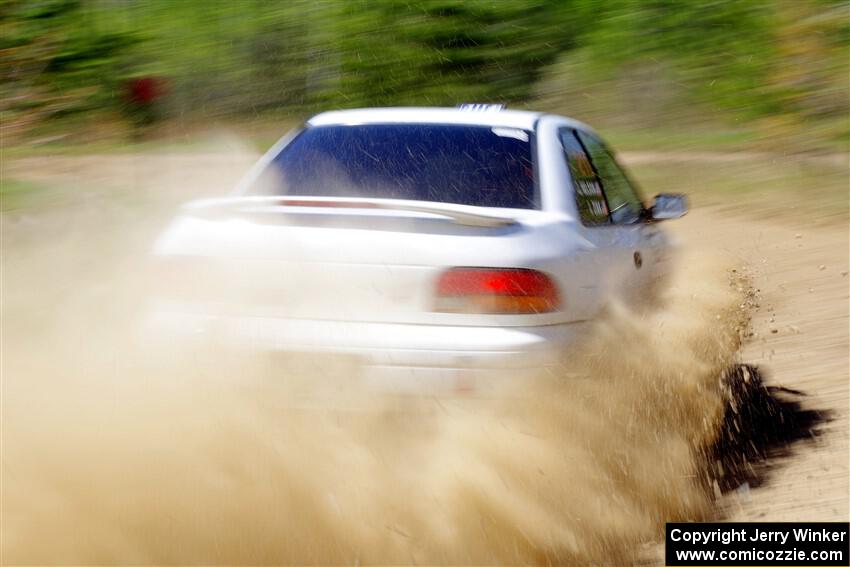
(496, 290)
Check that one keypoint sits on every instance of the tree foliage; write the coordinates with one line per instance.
(445, 51)
(779, 63)
(54, 62)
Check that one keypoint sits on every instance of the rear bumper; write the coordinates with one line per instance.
(396, 356)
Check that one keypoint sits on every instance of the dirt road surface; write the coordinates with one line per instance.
(800, 338)
(799, 331)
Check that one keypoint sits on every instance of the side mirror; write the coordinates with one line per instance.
(669, 206)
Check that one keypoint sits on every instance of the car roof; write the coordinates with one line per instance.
(523, 119)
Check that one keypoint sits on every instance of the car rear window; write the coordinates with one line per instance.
(469, 165)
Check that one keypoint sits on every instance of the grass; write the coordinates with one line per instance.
(679, 140)
(814, 189)
(15, 193)
(115, 137)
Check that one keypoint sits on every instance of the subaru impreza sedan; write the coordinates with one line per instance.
(434, 246)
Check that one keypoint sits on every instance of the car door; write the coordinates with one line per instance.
(612, 214)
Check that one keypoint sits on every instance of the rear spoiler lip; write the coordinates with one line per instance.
(461, 214)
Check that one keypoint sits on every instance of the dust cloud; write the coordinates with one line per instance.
(116, 452)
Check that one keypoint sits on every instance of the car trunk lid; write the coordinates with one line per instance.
(331, 258)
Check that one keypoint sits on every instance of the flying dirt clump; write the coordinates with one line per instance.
(116, 452)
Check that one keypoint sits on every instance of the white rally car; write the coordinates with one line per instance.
(426, 243)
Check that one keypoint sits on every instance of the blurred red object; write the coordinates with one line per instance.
(145, 90)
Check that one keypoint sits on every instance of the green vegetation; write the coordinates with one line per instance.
(54, 62)
(16, 192)
(771, 73)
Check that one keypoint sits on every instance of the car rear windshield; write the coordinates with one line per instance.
(469, 165)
